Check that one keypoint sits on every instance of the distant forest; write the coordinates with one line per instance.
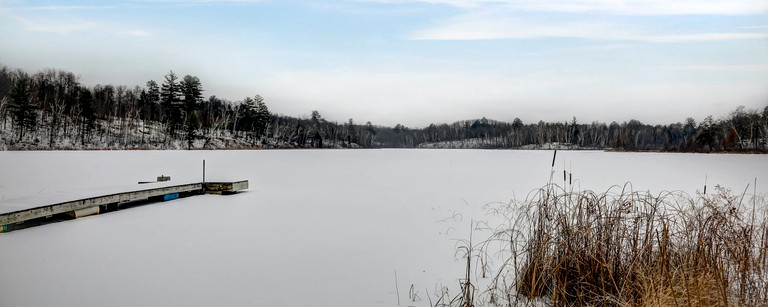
(51, 109)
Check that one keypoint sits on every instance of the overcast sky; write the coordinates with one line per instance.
(416, 62)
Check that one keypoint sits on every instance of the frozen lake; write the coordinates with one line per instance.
(316, 228)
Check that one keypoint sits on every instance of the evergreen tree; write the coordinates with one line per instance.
(707, 138)
(316, 117)
(262, 116)
(193, 93)
(253, 117)
(170, 96)
(517, 123)
(246, 115)
(149, 100)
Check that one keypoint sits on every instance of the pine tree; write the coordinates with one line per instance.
(193, 93)
(149, 100)
(247, 117)
(171, 103)
(262, 116)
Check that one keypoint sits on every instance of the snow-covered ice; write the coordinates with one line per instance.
(316, 228)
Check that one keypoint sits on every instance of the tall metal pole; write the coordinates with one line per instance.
(204, 176)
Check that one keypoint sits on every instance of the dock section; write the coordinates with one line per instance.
(225, 187)
(16, 212)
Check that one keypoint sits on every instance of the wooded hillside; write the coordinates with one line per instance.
(51, 109)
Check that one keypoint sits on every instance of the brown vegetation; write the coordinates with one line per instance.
(625, 248)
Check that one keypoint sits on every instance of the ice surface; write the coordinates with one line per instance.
(316, 228)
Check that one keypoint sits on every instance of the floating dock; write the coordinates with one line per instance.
(15, 213)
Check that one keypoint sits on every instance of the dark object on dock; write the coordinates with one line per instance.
(17, 214)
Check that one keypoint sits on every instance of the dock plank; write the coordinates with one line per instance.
(24, 209)
(14, 211)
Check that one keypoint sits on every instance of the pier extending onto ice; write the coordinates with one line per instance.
(79, 204)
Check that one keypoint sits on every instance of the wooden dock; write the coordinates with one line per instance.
(14, 213)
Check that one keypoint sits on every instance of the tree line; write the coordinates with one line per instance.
(741, 130)
(53, 109)
(52, 105)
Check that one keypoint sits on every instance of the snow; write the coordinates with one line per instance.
(316, 227)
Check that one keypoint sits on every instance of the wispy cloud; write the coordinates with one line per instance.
(607, 47)
(482, 26)
(198, 2)
(762, 27)
(723, 68)
(136, 33)
(699, 37)
(64, 19)
(633, 7)
(56, 7)
(123, 4)
(485, 27)
(60, 27)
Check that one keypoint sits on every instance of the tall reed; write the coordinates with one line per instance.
(628, 248)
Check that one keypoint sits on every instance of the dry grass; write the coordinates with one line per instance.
(626, 248)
